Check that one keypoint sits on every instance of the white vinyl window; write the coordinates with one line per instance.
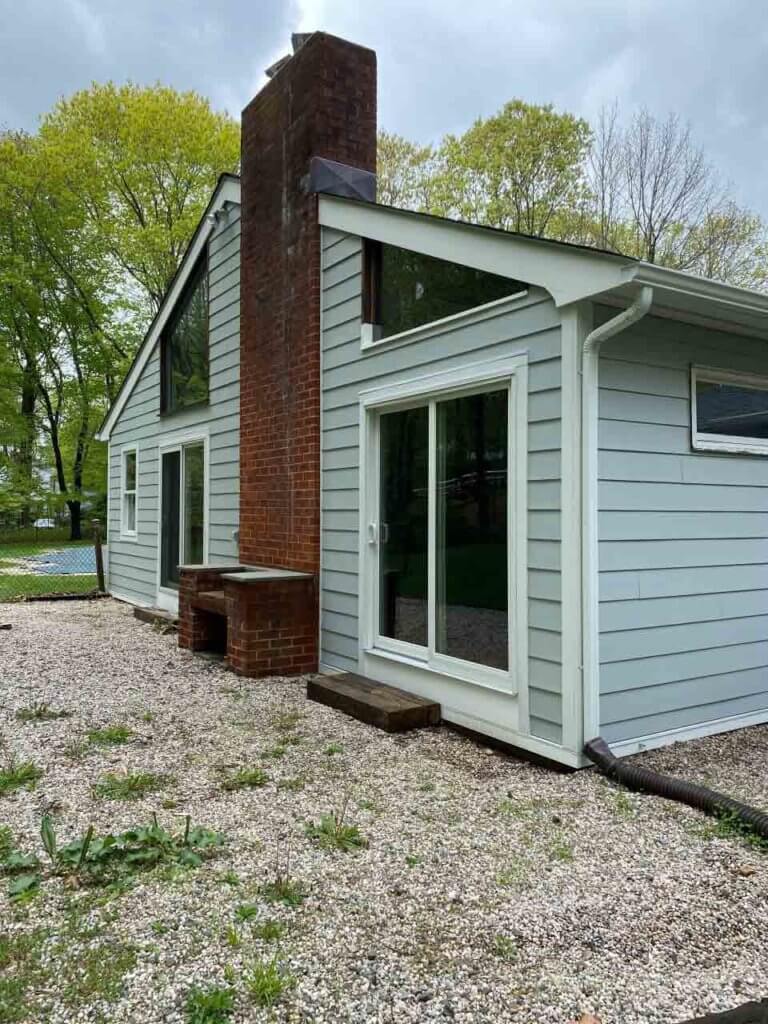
(729, 411)
(129, 490)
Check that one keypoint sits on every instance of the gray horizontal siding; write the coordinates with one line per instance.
(347, 370)
(133, 564)
(683, 541)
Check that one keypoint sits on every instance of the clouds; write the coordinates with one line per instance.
(441, 62)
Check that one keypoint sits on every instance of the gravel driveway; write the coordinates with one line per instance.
(489, 890)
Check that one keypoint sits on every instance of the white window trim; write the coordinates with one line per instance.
(370, 333)
(125, 533)
(167, 597)
(705, 441)
(512, 373)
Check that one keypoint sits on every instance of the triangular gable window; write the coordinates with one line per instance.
(184, 346)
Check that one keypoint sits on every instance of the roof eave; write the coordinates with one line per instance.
(227, 191)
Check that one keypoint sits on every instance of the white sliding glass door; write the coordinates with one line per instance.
(442, 531)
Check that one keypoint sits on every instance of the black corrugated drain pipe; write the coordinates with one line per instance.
(701, 797)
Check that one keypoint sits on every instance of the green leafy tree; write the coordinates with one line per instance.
(521, 169)
(95, 213)
(142, 162)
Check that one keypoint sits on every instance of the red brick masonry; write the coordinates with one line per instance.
(271, 623)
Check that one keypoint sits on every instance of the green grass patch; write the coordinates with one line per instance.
(111, 736)
(40, 712)
(245, 778)
(130, 786)
(213, 1005)
(18, 775)
(267, 982)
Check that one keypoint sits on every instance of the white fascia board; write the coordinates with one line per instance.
(725, 295)
(227, 191)
(568, 273)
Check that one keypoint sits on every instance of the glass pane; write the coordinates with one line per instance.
(186, 348)
(194, 495)
(416, 289)
(403, 526)
(130, 512)
(471, 529)
(130, 471)
(169, 548)
(731, 409)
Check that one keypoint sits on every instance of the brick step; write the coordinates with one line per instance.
(210, 601)
(374, 703)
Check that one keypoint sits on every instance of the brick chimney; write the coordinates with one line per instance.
(320, 102)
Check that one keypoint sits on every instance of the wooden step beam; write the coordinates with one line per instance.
(374, 703)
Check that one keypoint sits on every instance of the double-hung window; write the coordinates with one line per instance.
(729, 411)
(129, 491)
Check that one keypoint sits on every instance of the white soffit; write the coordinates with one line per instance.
(570, 273)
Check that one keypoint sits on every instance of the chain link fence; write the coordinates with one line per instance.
(39, 561)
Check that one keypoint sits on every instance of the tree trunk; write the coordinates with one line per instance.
(75, 520)
(26, 451)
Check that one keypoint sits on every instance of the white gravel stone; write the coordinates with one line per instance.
(617, 904)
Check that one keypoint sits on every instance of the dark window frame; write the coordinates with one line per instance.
(199, 272)
(374, 289)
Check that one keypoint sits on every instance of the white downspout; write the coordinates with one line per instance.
(589, 478)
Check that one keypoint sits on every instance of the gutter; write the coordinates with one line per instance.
(590, 355)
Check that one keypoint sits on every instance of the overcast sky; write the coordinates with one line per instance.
(441, 62)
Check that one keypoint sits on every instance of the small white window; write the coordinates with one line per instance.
(129, 489)
(729, 411)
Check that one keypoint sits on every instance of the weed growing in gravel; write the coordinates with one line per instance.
(274, 753)
(76, 750)
(293, 785)
(283, 888)
(623, 805)
(333, 748)
(111, 736)
(6, 842)
(147, 717)
(505, 949)
(512, 874)
(66, 963)
(18, 774)
(267, 982)
(332, 833)
(209, 1006)
(413, 860)
(130, 786)
(245, 778)
(270, 930)
(368, 805)
(169, 804)
(232, 937)
(286, 722)
(427, 787)
(245, 911)
(290, 739)
(230, 877)
(40, 712)
(111, 859)
(730, 826)
(562, 851)
(160, 927)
